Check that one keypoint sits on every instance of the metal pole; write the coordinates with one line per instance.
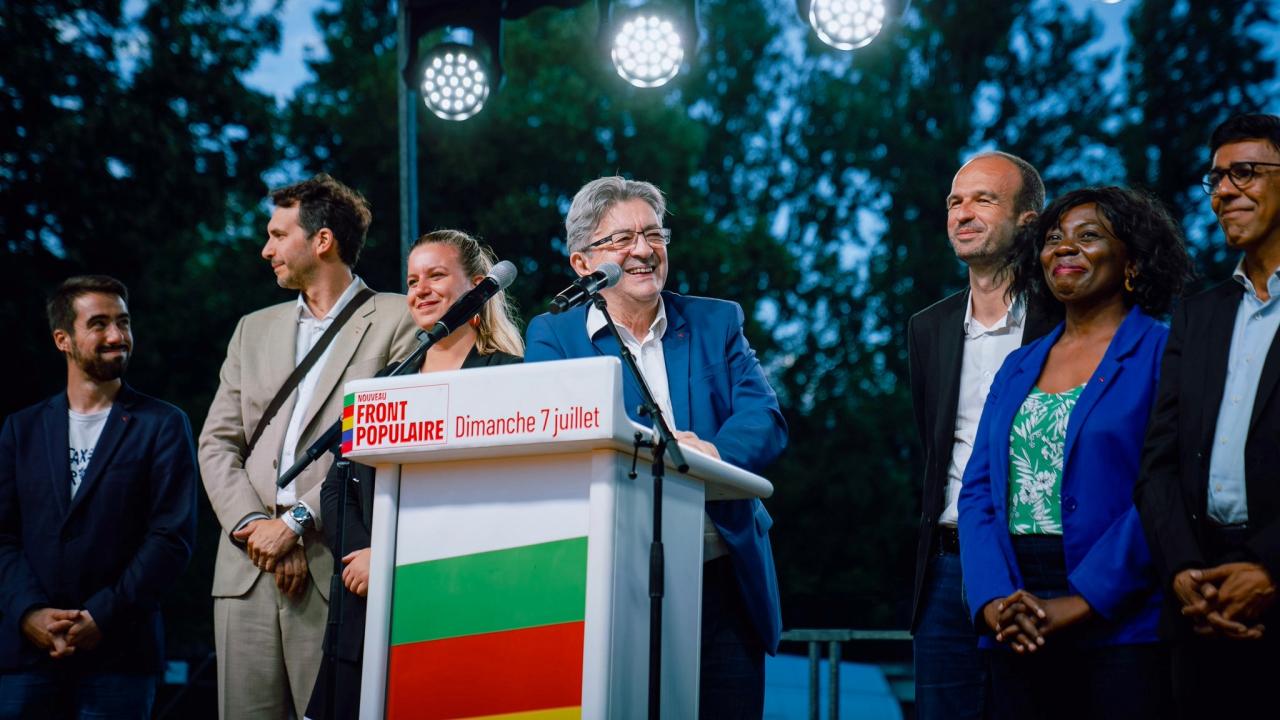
(814, 656)
(407, 103)
(833, 680)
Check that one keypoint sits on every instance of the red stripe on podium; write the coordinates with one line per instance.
(493, 673)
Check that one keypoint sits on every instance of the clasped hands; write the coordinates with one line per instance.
(1226, 600)
(272, 547)
(1024, 621)
(61, 632)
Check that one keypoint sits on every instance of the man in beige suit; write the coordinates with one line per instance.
(271, 580)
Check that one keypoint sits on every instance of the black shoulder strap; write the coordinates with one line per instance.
(305, 366)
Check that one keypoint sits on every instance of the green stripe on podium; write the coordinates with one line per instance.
(496, 591)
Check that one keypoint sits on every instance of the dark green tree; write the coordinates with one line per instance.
(1191, 65)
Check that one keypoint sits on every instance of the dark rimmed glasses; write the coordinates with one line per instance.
(1241, 174)
(626, 239)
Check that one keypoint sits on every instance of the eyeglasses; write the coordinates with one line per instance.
(626, 239)
(1240, 174)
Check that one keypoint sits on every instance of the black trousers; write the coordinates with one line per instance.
(732, 664)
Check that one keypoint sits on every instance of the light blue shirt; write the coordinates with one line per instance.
(1255, 329)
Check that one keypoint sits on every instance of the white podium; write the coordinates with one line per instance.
(509, 572)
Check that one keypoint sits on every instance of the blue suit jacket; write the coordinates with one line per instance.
(115, 549)
(1107, 557)
(719, 392)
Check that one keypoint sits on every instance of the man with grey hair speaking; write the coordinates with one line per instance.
(708, 383)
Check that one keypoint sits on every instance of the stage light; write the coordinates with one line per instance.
(455, 81)
(847, 24)
(647, 50)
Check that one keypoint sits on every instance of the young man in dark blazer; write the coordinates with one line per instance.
(956, 347)
(97, 521)
(1209, 493)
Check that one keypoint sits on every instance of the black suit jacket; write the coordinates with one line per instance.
(344, 634)
(935, 341)
(115, 549)
(1172, 491)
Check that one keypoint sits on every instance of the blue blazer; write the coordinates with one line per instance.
(115, 549)
(719, 392)
(1107, 557)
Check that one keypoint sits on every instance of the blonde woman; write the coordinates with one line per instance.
(443, 266)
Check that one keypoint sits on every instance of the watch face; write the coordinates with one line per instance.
(300, 514)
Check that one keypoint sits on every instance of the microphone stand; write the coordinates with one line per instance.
(336, 618)
(664, 443)
(329, 441)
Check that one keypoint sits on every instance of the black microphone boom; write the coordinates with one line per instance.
(455, 317)
(469, 304)
(581, 290)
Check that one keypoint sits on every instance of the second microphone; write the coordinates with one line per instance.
(581, 290)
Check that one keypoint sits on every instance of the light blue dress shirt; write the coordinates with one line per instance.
(1255, 328)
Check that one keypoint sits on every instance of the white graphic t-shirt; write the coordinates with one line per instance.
(83, 437)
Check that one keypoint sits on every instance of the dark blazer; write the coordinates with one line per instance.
(1106, 553)
(116, 549)
(1172, 492)
(719, 392)
(935, 342)
(350, 520)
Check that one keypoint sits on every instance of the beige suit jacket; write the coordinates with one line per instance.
(260, 358)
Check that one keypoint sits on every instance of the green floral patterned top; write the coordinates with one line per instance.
(1036, 446)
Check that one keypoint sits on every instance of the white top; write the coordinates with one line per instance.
(653, 363)
(309, 331)
(81, 440)
(985, 349)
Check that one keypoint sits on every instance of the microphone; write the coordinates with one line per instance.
(455, 317)
(469, 304)
(581, 290)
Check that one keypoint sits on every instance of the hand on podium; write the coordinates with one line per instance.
(689, 440)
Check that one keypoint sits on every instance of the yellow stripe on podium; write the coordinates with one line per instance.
(568, 713)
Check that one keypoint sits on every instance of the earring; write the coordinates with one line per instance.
(1128, 281)
(475, 322)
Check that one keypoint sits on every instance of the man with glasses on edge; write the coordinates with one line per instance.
(713, 392)
(1209, 493)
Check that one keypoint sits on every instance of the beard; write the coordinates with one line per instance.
(102, 369)
(991, 251)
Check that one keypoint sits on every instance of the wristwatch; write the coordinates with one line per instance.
(298, 519)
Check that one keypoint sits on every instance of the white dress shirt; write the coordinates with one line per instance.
(985, 349)
(653, 363)
(309, 331)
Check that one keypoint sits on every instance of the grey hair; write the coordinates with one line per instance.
(1031, 195)
(598, 197)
